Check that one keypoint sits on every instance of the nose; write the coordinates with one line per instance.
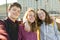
(41, 15)
(16, 12)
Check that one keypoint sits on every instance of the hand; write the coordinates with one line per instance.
(2, 31)
(2, 37)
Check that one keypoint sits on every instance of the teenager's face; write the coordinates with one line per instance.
(14, 12)
(41, 15)
(31, 16)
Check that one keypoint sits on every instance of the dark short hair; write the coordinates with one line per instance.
(14, 4)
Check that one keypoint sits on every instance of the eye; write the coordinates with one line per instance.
(14, 9)
(30, 15)
(39, 14)
(18, 11)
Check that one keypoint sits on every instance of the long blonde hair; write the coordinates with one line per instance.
(32, 25)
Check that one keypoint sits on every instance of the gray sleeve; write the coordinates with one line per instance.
(56, 30)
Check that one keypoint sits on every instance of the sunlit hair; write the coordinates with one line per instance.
(32, 25)
(47, 20)
(26, 13)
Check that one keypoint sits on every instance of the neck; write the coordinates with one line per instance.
(12, 19)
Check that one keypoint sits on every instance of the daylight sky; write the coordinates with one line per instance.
(8, 1)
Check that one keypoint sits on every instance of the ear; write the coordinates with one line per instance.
(7, 10)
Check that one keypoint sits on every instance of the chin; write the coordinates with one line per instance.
(15, 17)
(32, 21)
(42, 19)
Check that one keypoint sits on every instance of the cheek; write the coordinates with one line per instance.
(11, 12)
(44, 16)
(39, 17)
(18, 14)
(28, 17)
(34, 18)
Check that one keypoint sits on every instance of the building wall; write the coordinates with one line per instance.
(49, 5)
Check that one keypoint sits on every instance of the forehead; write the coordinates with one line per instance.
(15, 7)
(30, 13)
(40, 11)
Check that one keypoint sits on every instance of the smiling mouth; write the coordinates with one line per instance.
(40, 17)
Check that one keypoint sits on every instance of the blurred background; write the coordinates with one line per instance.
(51, 6)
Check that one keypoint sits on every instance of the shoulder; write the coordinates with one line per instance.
(1, 22)
(53, 23)
(21, 27)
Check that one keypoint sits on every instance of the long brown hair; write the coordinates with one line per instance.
(47, 20)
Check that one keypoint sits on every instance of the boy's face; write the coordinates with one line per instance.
(14, 12)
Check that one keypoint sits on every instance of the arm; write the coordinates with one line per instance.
(56, 30)
(3, 34)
